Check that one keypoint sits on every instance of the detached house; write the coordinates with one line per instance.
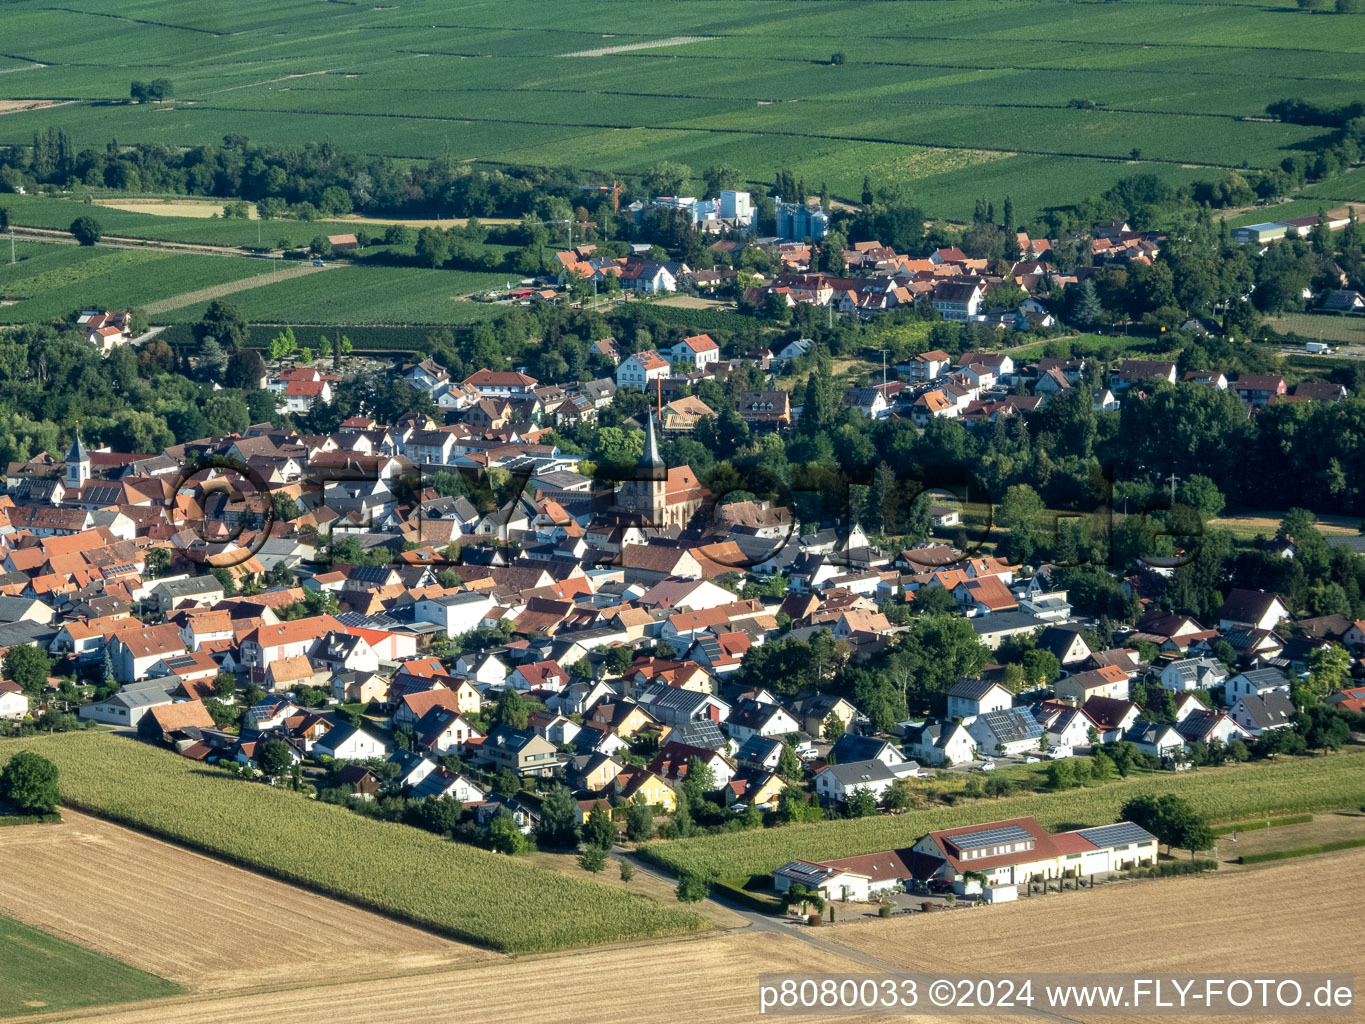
(1253, 609)
(1259, 715)
(694, 353)
(641, 370)
(973, 697)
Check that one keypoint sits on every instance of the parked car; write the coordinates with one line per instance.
(989, 766)
(1057, 753)
(319, 263)
(1030, 760)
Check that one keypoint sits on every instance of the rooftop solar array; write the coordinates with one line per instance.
(1116, 835)
(991, 837)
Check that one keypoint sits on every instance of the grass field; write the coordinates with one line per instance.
(40, 973)
(951, 101)
(1222, 794)
(461, 891)
(1349, 330)
(53, 281)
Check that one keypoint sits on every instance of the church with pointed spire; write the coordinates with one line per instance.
(77, 465)
(658, 496)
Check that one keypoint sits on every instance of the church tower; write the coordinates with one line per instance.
(77, 465)
(646, 492)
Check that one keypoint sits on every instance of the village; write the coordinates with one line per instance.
(447, 610)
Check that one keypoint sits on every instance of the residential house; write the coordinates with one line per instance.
(1256, 682)
(520, 751)
(1253, 609)
(973, 697)
(1109, 681)
(1010, 731)
(1261, 714)
(346, 742)
(1193, 674)
(839, 781)
(640, 371)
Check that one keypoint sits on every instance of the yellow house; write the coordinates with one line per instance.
(642, 782)
(625, 720)
(467, 698)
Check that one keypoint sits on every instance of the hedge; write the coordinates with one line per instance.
(730, 890)
(1174, 867)
(1252, 826)
(1306, 851)
(30, 819)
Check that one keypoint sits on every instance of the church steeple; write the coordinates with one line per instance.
(77, 464)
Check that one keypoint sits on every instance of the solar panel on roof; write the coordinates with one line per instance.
(991, 837)
(1116, 835)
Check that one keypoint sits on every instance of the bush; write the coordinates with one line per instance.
(29, 783)
(883, 911)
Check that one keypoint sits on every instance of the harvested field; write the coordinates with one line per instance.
(1240, 918)
(207, 208)
(715, 978)
(15, 106)
(191, 919)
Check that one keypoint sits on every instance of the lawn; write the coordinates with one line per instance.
(1232, 793)
(947, 101)
(458, 890)
(40, 973)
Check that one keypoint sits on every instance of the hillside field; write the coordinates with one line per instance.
(950, 100)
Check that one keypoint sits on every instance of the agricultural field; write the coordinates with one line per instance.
(716, 977)
(57, 214)
(53, 281)
(1221, 794)
(40, 973)
(947, 101)
(225, 943)
(364, 295)
(458, 890)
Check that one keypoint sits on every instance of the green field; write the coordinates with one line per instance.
(1348, 330)
(462, 891)
(363, 295)
(950, 100)
(52, 281)
(1222, 794)
(40, 973)
(58, 213)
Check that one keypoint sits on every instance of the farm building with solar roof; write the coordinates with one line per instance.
(1008, 853)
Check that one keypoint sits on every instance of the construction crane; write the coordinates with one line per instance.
(614, 188)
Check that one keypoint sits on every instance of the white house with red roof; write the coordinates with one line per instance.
(105, 330)
(539, 675)
(501, 383)
(694, 353)
(641, 370)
